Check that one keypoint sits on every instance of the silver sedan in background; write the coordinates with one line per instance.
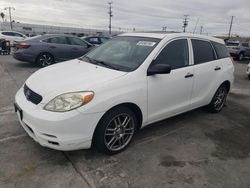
(48, 49)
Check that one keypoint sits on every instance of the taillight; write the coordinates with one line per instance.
(23, 46)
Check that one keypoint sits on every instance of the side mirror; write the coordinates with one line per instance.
(158, 69)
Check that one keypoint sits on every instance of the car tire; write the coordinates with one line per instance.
(45, 59)
(218, 100)
(240, 56)
(115, 130)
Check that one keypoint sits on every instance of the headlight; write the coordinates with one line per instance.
(69, 101)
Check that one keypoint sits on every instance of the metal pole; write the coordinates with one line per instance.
(110, 16)
(201, 29)
(230, 28)
(9, 8)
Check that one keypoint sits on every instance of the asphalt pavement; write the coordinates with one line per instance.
(193, 150)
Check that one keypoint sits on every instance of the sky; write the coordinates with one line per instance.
(143, 15)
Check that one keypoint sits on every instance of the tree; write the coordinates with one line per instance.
(2, 15)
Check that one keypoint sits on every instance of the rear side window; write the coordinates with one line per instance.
(221, 50)
(57, 40)
(245, 44)
(94, 39)
(175, 54)
(203, 51)
(78, 42)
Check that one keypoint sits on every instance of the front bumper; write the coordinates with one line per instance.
(61, 131)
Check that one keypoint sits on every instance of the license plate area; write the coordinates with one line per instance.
(19, 111)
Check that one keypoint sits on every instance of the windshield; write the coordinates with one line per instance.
(122, 53)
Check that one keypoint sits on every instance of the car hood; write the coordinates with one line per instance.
(70, 76)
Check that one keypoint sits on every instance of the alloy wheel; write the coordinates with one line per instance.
(45, 60)
(119, 132)
(220, 98)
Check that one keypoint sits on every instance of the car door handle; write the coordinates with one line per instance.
(75, 48)
(53, 47)
(217, 68)
(188, 75)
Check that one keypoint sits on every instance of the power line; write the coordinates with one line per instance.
(110, 12)
(196, 24)
(185, 23)
(10, 8)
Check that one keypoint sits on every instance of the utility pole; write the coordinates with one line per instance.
(185, 23)
(10, 8)
(201, 29)
(164, 28)
(110, 12)
(230, 28)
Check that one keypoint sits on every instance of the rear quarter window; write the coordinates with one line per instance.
(203, 51)
(221, 50)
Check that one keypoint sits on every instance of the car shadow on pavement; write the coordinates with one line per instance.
(26, 65)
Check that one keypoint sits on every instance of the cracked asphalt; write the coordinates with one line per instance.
(196, 149)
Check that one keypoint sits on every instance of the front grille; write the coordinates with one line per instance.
(31, 95)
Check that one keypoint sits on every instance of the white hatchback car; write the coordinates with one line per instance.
(12, 36)
(131, 81)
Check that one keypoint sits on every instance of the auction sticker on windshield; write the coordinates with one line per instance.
(145, 43)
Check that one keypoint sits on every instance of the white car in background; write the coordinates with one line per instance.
(12, 36)
(248, 70)
(130, 81)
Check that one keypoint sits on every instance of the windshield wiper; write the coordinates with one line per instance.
(106, 64)
(97, 62)
(88, 59)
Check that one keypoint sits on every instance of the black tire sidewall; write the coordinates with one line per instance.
(98, 138)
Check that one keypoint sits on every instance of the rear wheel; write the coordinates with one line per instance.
(240, 56)
(115, 130)
(218, 100)
(45, 59)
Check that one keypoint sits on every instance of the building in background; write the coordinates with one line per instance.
(35, 29)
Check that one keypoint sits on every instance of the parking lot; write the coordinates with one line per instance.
(195, 149)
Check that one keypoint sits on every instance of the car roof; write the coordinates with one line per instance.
(173, 35)
(12, 32)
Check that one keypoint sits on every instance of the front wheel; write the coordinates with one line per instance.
(218, 100)
(115, 130)
(240, 56)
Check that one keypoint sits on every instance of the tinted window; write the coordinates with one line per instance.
(221, 50)
(57, 40)
(174, 54)
(76, 41)
(232, 44)
(203, 51)
(245, 44)
(103, 39)
(8, 33)
(93, 39)
(18, 35)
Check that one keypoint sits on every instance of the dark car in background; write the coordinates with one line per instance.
(49, 49)
(96, 40)
(238, 49)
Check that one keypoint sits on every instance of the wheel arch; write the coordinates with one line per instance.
(227, 84)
